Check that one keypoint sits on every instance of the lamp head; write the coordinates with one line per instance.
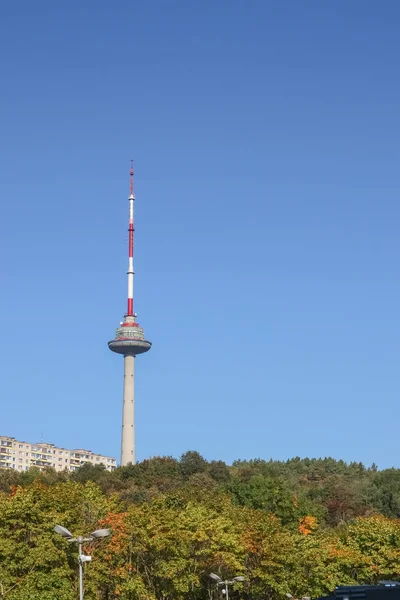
(63, 531)
(100, 533)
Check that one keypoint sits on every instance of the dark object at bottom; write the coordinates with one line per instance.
(385, 590)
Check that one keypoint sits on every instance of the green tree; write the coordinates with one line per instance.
(35, 563)
(265, 493)
(192, 462)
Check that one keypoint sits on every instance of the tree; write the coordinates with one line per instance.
(164, 549)
(89, 472)
(218, 471)
(35, 563)
(378, 539)
(265, 493)
(386, 492)
(192, 462)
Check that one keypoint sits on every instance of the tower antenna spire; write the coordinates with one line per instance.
(131, 232)
(131, 174)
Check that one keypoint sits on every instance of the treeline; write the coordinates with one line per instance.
(333, 491)
(298, 527)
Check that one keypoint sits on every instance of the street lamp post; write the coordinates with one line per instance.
(82, 558)
(226, 582)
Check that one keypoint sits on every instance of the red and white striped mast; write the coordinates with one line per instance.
(131, 231)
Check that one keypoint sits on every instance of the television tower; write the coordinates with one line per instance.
(129, 341)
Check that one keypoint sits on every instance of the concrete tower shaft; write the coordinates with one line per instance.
(129, 341)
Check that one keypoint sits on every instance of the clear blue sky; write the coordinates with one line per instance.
(266, 140)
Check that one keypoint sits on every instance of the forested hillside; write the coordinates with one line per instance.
(299, 527)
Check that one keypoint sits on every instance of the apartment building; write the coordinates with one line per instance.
(20, 456)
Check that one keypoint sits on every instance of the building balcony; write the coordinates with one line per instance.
(41, 461)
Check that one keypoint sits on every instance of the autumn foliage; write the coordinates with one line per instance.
(300, 527)
(307, 525)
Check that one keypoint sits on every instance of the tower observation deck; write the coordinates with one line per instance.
(129, 341)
